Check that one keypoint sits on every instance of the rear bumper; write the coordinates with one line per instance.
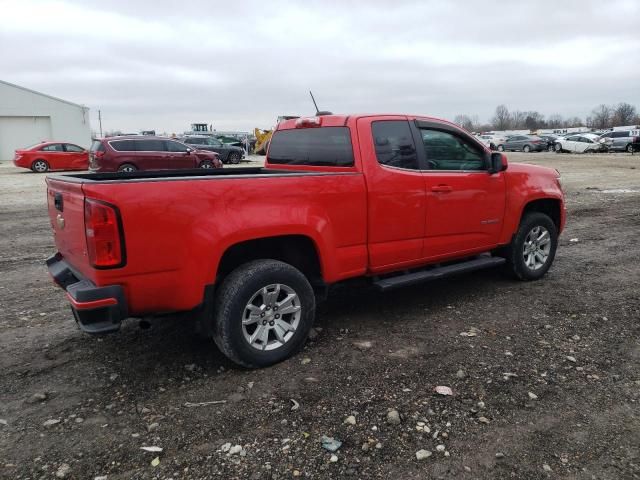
(97, 310)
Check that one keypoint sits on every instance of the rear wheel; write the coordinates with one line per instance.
(127, 168)
(263, 313)
(629, 148)
(558, 148)
(234, 157)
(533, 248)
(40, 166)
(501, 148)
(526, 149)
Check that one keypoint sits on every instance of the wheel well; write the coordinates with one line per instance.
(298, 251)
(548, 206)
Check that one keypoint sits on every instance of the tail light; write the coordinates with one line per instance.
(103, 230)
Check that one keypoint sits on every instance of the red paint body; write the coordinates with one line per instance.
(64, 158)
(362, 220)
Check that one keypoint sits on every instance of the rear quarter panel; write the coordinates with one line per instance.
(177, 231)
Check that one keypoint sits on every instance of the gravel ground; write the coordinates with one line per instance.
(545, 376)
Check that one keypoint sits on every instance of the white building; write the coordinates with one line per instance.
(28, 117)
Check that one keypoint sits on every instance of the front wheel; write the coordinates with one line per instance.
(629, 148)
(526, 149)
(263, 314)
(501, 148)
(234, 157)
(558, 148)
(206, 164)
(533, 248)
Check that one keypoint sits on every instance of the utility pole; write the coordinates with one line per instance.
(100, 122)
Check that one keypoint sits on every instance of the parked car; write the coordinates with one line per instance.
(583, 143)
(524, 143)
(128, 154)
(227, 153)
(46, 156)
(621, 141)
(231, 141)
(494, 142)
(247, 251)
(551, 140)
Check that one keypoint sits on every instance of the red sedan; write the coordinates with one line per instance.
(46, 156)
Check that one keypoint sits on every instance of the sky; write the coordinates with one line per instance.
(238, 65)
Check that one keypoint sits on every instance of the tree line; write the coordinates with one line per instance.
(601, 117)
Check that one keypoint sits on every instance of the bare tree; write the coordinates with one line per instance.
(555, 121)
(517, 119)
(501, 119)
(601, 116)
(534, 120)
(623, 114)
(468, 122)
(573, 122)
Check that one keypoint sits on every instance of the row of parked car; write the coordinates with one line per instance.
(129, 154)
(587, 142)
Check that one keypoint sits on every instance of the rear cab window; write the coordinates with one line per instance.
(318, 147)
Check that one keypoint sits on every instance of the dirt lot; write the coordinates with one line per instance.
(547, 385)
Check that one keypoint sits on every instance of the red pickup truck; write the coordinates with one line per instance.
(395, 198)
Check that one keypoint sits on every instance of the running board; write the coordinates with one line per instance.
(436, 273)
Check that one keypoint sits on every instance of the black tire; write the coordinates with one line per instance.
(526, 149)
(629, 148)
(501, 148)
(492, 146)
(516, 265)
(127, 168)
(234, 157)
(558, 148)
(40, 166)
(206, 164)
(233, 297)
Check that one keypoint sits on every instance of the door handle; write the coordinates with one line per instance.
(442, 188)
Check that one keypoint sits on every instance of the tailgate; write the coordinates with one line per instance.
(65, 202)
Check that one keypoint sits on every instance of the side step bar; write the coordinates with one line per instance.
(386, 284)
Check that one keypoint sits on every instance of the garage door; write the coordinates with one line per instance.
(20, 132)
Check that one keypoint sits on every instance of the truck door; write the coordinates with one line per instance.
(465, 204)
(395, 192)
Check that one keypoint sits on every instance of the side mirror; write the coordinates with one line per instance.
(189, 151)
(497, 163)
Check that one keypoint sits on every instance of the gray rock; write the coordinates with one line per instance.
(226, 447)
(532, 396)
(363, 344)
(100, 477)
(393, 417)
(51, 422)
(484, 420)
(333, 459)
(423, 454)
(441, 448)
(38, 397)
(235, 450)
(460, 374)
(63, 470)
(571, 359)
(3, 421)
(499, 455)
(113, 376)
(330, 444)
(546, 468)
(153, 426)
(350, 420)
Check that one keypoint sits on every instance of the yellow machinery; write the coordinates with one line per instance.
(263, 137)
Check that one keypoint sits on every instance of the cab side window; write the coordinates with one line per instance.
(394, 144)
(176, 147)
(446, 151)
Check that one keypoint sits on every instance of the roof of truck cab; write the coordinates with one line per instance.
(340, 120)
